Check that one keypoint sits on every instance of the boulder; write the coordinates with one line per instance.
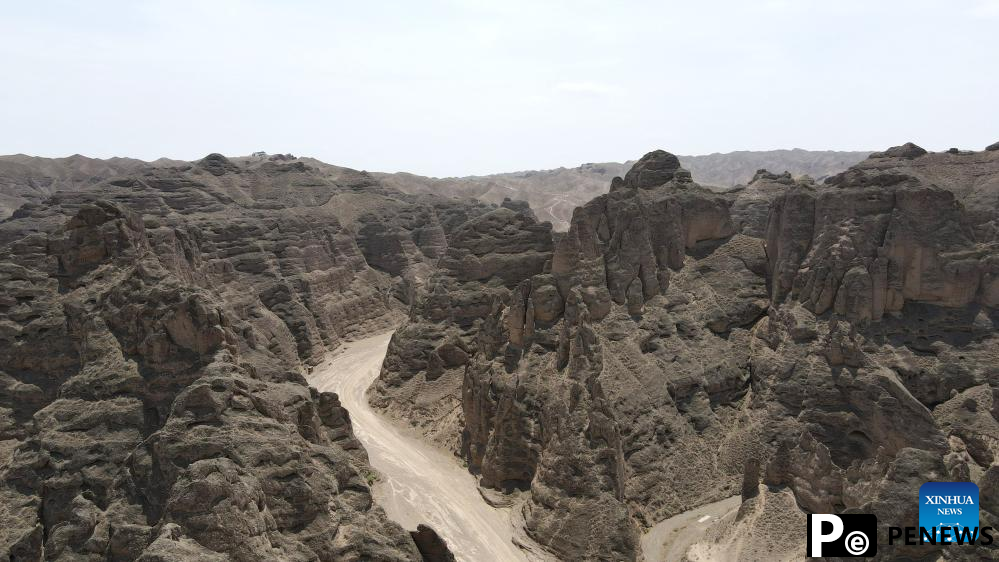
(432, 547)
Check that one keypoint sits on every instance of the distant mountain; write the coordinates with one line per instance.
(553, 194)
(733, 168)
(32, 178)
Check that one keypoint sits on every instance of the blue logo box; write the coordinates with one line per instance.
(948, 504)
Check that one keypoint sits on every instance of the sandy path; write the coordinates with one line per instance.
(669, 540)
(419, 483)
(559, 200)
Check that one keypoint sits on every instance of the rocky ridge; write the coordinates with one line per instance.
(821, 347)
(553, 194)
(25, 179)
(177, 310)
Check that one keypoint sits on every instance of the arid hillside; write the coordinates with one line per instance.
(157, 328)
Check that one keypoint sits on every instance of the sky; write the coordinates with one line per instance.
(460, 87)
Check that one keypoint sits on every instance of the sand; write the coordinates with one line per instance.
(418, 483)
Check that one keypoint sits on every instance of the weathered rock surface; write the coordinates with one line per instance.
(154, 333)
(423, 370)
(973, 178)
(432, 546)
(652, 170)
(564, 392)
(883, 314)
(835, 343)
(751, 207)
(29, 179)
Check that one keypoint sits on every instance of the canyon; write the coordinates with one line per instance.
(416, 483)
(810, 347)
(157, 330)
(186, 350)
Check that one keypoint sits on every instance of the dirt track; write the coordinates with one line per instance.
(669, 540)
(419, 483)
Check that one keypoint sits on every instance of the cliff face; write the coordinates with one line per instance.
(881, 339)
(422, 375)
(630, 383)
(155, 333)
(598, 378)
(835, 342)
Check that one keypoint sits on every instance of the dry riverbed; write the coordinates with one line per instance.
(418, 482)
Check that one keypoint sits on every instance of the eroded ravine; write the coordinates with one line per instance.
(418, 482)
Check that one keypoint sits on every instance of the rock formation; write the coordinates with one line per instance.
(558, 371)
(808, 346)
(554, 194)
(484, 262)
(155, 333)
(432, 547)
(907, 150)
(812, 347)
(751, 207)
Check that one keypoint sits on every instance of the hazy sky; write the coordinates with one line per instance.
(461, 87)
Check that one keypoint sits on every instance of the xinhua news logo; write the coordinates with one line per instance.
(948, 514)
(950, 509)
(842, 535)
